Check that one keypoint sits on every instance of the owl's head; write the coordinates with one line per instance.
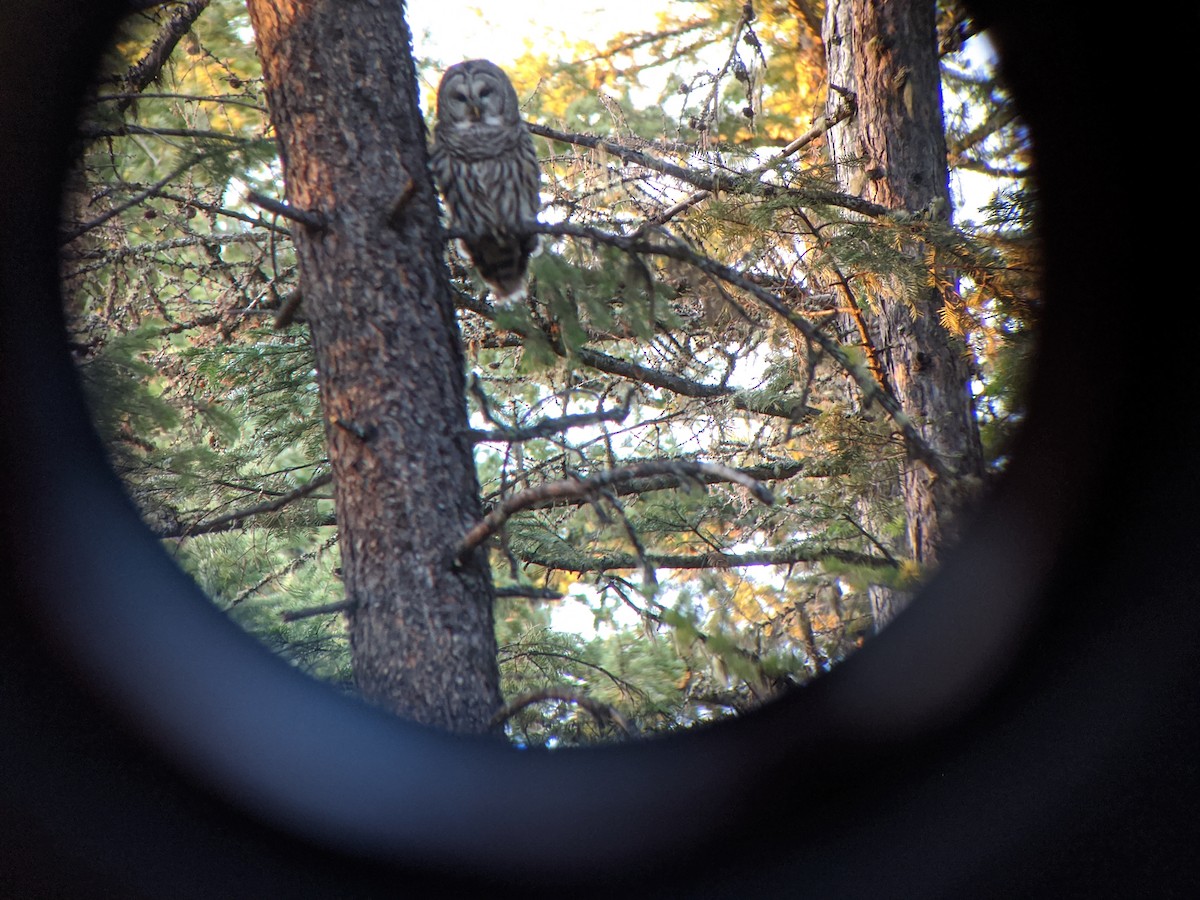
(476, 92)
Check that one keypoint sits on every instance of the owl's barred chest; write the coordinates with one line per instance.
(479, 141)
(488, 175)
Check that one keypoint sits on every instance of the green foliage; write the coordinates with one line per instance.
(213, 418)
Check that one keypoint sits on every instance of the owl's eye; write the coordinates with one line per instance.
(484, 93)
(460, 96)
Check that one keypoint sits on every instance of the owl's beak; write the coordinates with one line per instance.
(475, 111)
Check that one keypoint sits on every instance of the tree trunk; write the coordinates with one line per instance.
(342, 90)
(893, 152)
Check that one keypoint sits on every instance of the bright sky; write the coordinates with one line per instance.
(453, 30)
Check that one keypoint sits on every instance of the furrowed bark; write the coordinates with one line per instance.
(893, 153)
(342, 90)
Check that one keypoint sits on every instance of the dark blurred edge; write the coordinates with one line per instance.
(1078, 776)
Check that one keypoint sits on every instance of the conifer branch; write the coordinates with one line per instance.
(341, 606)
(223, 99)
(218, 210)
(675, 249)
(601, 712)
(150, 66)
(511, 652)
(99, 220)
(775, 470)
(716, 182)
(623, 589)
(127, 128)
(789, 554)
(999, 118)
(874, 365)
(787, 406)
(572, 489)
(118, 254)
(279, 573)
(234, 519)
(649, 575)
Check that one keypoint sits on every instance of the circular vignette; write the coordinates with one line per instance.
(1019, 727)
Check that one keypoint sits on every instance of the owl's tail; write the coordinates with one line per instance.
(502, 261)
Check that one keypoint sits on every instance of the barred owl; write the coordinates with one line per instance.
(487, 169)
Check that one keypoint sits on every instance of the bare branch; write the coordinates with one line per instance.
(569, 489)
(550, 426)
(289, 306)
(293, 615)
(308, 218)
(820, 125)
(525, 590)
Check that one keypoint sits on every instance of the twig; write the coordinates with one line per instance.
(280, 573)
(575, 488)
(708, 114)
(601, 712)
